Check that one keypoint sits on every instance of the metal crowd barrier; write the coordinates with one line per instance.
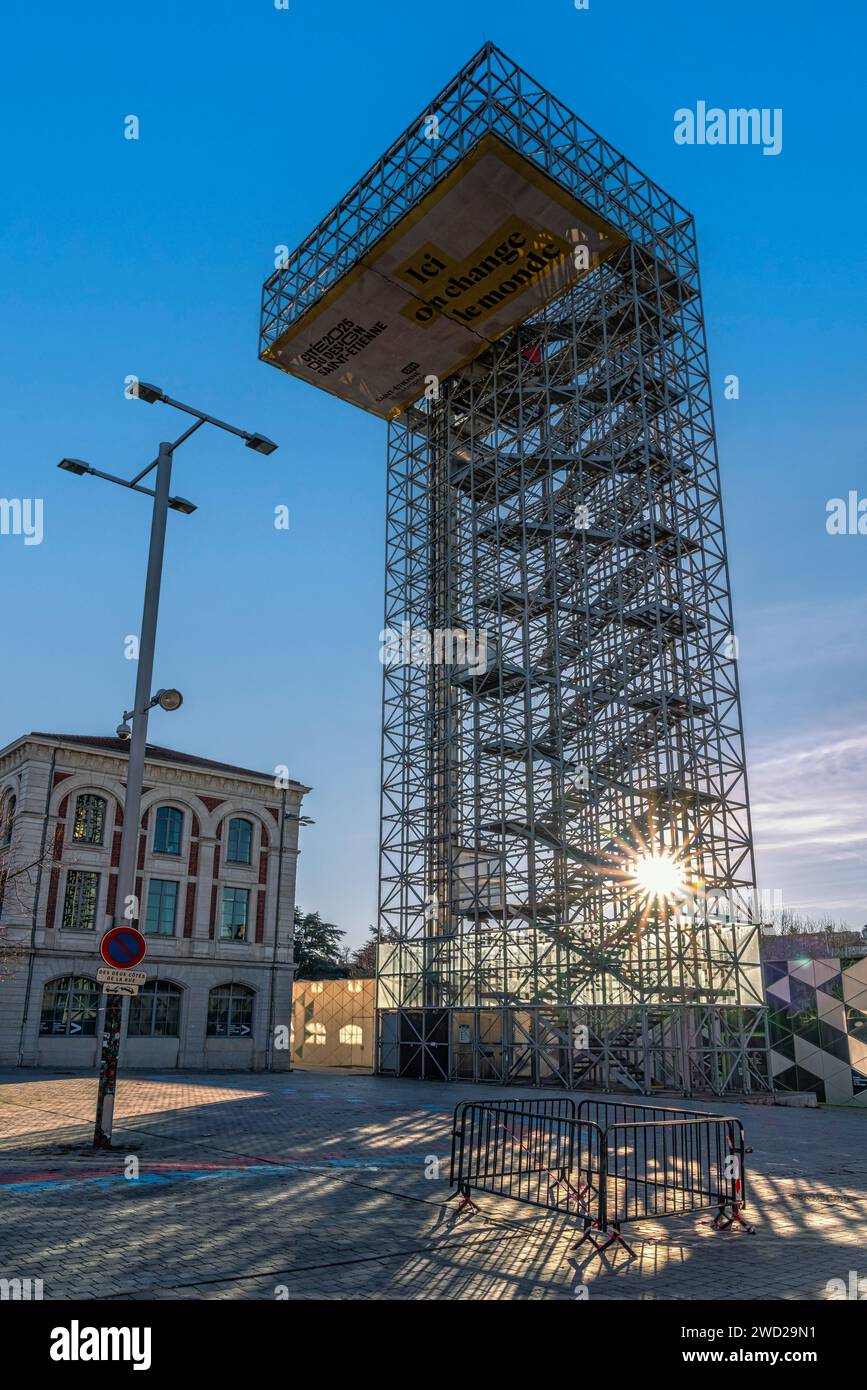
(606, 1164)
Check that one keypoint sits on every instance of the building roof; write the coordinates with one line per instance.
(156, 753)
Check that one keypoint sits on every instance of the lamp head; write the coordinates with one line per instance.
(144, 391)
(260, 443)
(169, 699)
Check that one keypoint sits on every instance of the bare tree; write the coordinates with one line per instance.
(832, 932)
(19, 875)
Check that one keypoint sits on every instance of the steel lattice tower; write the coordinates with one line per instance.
(560, 496)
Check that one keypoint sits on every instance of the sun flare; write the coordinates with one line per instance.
(659, 876)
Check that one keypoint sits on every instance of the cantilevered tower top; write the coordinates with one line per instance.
(488, 206)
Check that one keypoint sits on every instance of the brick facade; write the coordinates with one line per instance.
(47, 774)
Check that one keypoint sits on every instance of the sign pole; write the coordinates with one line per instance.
(127, 910)
(108, 1071)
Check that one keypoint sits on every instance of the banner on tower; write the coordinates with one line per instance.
(491, 244)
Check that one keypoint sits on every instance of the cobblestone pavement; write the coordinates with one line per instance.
(313, 1185)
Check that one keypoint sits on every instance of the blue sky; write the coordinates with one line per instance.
(147, 257)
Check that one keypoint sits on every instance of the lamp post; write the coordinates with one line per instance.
(127, 910)
(272, 979)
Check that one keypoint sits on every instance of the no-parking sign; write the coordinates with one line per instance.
(123, 947)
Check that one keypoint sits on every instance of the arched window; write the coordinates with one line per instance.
(351, 1035)
(7, 819)
(69, 1006)
(240, 845)
(167, 830)
(155, 1012)
(230, 1012)
(88, 827)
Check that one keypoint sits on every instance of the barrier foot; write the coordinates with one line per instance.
(726, 1220)
(615, 1236)
(466, 1199)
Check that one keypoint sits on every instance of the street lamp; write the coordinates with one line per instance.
(269, 1051)
(261, 444)
(168, 699)
(79, 468)
(143, 391)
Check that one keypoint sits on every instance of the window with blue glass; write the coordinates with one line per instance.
(233, 923)
(162, 907)
(240, 845)
(167, 830)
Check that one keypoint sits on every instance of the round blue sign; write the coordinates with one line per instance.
(123, 947)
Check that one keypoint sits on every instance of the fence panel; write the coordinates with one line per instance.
(551, 1107)
(611, 1163)
(531, 1152)
(614, 1112)
(672, 1166)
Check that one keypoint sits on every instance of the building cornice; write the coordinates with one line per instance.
(195, 777)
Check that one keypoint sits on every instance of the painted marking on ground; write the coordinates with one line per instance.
(51, 1180)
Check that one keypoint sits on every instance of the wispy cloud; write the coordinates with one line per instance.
(778, 639)
(809, 803)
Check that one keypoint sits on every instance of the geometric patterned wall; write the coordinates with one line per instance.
(817, 1016)
(333, 1023)
(818, 1027)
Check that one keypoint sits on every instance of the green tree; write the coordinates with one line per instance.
(318, 953)
(363, 964)
(363, 961)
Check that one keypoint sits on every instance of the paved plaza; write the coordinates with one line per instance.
(322, 1184)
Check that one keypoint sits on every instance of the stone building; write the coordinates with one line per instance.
(216, 867)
